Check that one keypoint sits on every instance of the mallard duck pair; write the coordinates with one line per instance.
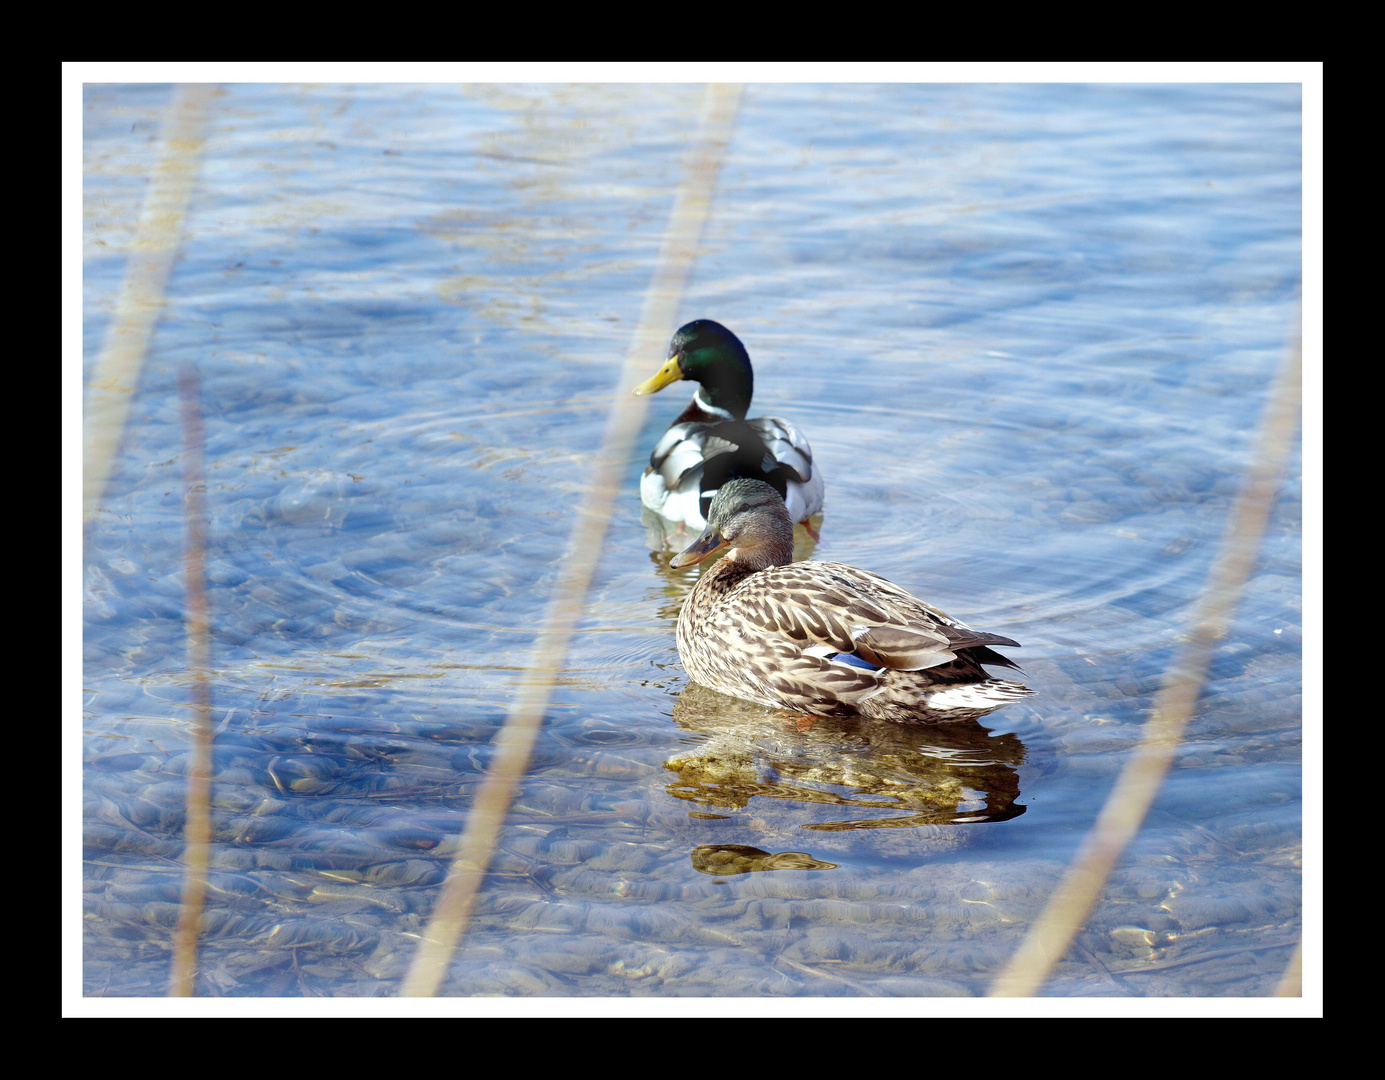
(817, 638)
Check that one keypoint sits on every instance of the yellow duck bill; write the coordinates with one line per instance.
(669, 373)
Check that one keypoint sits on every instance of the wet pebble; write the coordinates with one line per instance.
(117, 912)
(405, 872)
(511, 980)
(572, 852)
(574, 957)
(333, 936)
(103, 836)
(142, 892)
(357, 897)
(657, 966)
(1146, 883)
(1195, 910)
(260, 828)
(640, 922)
(1134, 941)
(566, 917)
(823, 945)
(220, 925)
(615, 766)
(148, 814)
(405, 838)
(123, 762)
(918, 987)
(163, 914)
(625, 857)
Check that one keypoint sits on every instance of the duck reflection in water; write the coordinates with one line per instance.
(850, 773)
(724, 860)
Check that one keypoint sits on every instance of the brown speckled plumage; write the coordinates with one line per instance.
(823, 638)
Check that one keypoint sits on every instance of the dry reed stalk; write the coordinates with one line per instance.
(516, 739)
(197, 832)
(1051, 935)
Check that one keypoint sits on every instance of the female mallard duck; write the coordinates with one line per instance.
(711, 441)
(823, 638)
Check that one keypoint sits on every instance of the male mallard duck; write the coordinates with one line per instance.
(711, 441)
(823, 638)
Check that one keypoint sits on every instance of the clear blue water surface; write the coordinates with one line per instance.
(1029, 330)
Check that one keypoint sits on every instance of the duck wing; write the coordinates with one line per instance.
(786, 446)
(830, 608)
(694, 456)
(681, 451)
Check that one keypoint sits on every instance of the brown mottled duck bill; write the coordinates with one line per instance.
(709, 542)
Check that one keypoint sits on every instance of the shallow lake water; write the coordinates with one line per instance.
(1029, 331)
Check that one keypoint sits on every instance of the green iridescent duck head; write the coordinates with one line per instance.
(708, 353)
